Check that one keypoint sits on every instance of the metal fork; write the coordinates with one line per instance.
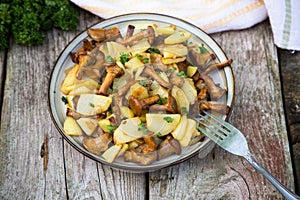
(233, 141)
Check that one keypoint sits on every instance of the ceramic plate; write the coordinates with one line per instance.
(58, 109)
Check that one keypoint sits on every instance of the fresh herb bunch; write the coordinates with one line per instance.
(27, 19)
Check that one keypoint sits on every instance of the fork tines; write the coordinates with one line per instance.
(215, 128)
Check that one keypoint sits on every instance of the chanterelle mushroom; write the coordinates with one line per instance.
(140, 158)
(148, 33)
(112, 72)
(170, 106)
(99, 34)
(201, 60)
(217, 66)
(138, 105)
(150, 144)
(148, 70)
(129, 32)
(214, 90)
(168, 147)
(96, 145)
(213, 105)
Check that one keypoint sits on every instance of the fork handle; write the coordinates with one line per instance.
(288, 194)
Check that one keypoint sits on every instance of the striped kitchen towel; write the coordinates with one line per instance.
(214, 15)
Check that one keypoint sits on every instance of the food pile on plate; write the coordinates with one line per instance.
(133, 96)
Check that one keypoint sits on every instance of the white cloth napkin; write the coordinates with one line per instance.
(214, 15)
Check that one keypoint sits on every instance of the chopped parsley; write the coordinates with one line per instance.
(145, 60)
(92, 105)
(64, 99)
(143, 83)
(109, 59)
(182, 74)
(142, 58)
(169, 119)
(184, 110)
(203, 49)
(111, 128)
(162, 101)
(159, 134)
(142, 127)
(139, 56)
(153, 50)
(124, 57)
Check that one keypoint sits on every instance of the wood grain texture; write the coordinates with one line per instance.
(290, 73)
(36, 163)
(2, 68)
(258, 113)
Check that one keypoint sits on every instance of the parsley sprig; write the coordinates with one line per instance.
(169, 119)
(124, 57)
(142, 127)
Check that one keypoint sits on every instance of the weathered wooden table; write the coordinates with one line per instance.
(36, 163)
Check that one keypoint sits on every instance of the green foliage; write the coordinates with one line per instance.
(5, 20)
(27, 19)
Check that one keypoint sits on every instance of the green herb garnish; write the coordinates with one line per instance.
(143, 83)
(111, 128)
(124, 57)
(92, 105)
(153, 50)
(142, 58)
(159, 134)
(142, 127)
(64, 99)
(145, 60)
(203, 49)
(109, 59)
(162, 101)
(169, 119)
(139, 56)
(182, 74)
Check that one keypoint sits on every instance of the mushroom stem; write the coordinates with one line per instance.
(149, 100)
(112, 73)
(215, 106)
(203, 93)
(168, 147)
(130, 30)
(176, 80)
(170, 106)
(217, 66)
(150, 144)
(214, 90)
(201, 60)
(148, 33)
(138, 105)
(148, 70)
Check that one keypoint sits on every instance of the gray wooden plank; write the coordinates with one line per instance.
(290, 73)
(2, 68)
(24, 122)
(258, 113)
